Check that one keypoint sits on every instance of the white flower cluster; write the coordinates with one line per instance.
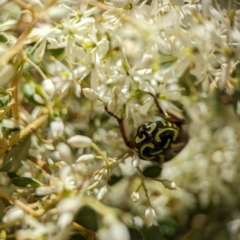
(72, 60)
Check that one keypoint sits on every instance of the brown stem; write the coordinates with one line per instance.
(14, 85)
(20, 204)
(6, 144)
(42, 164)
(86, 232)
(173, 118)
(12, 51)
(128, 143)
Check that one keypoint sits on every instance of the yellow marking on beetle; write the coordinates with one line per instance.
(167, 144)
(144, 146)
(152, 128)
(157, 152)
(139, 140)
(161, 158)
(136, 149)
(152, 154)
(164, 123)
(177, 145)
(160, 131)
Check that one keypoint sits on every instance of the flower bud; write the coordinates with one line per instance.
(44, 190)
(135, 196)
(169, 184)
(86, 158)
(57, 128)
(135, 161)
(79, 141)
(102, 192)
(116, 91)
(64, 152)
(48, 87)
(149, 216)
(90, 93)
(111, 105)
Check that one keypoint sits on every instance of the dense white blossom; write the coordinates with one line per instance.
(73, 62)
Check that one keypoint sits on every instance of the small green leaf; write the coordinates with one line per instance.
(153, 233)
(125, 67)
(34, 93)
(39, 90)
(87, 218)
(4, 100)
(29, 90)
(152, 171)
(114, 179)
(17, 154)
(3, 38)
(136, 234)
(56, 52)
(77, 236)
(136, 93)
(24, 181)
(7, 165)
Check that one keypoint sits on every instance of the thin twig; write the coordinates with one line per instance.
(87, 233)
(14, 85)
(13, 50)
(20, 204)
(36, 67)
(42, 164)
(143, 185)
(6, 144)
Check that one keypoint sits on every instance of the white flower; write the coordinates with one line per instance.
(13, 214)
(102, 192)
(43, 35)
(115, 230)
(57, 128)
(70, 204)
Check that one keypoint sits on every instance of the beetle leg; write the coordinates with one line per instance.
(127, 142)
(173, 118)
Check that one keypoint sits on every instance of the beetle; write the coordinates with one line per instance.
(157, 141)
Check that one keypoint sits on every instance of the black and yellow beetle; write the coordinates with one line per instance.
(157, 141)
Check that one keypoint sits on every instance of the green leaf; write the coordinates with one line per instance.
(114, 179)
(7, 165)
(152, 171)
(3, 38)
(77, 236)
(24, 181)
(87, 218)
(136, 234)
(4, 100)
(168, 227)
(56, 52)
(153, 233)
(17, 153)
(31, 90)
(125, 67)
